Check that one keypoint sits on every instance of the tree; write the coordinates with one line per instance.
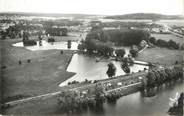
(173, 44)
(111, 70)
(162, 43)
(69, 44)
(81, 46)
(120, 52)
(152, 40)
(99, 95)
(133, 52)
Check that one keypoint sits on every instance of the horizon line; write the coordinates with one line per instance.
(88, 14)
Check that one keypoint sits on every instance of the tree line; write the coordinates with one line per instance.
(157, 77)
(162, 43)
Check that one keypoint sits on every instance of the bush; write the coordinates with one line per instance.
(173, 44)
(51, 40)
(29, 42)
(152, 40)
(161, 43)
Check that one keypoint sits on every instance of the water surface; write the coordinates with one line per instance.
(48, 46)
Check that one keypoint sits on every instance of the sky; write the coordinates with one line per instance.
(105, 7)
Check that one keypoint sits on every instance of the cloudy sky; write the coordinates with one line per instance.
(106, 7)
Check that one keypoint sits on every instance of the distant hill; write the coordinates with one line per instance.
(45, 14)
(151, 16)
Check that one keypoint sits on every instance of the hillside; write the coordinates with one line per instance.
(152, 16)
(44, 14)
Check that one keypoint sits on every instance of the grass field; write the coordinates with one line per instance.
(42, 75)
(161, 55)
(168, 37)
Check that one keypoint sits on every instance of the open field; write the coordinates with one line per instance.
(168, 37)
(42, 75)
(161, 55)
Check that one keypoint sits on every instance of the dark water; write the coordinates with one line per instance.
(137, 105)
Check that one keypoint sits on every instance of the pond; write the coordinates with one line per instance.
(49, 45)
(86, 67)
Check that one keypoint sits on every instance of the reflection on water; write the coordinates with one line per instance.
(48, 46)
(137, 105)
(86, 67)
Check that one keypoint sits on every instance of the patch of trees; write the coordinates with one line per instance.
(26, 40)
(97, 47)
(72, 101)
(126, 37)
(162, 43)
(99, 41)
(14, 31)
(157, 77)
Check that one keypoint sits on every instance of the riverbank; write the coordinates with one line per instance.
(42, 75)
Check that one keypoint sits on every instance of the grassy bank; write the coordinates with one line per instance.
(42, 75)
(161, 55)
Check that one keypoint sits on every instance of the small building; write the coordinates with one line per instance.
(56, 31)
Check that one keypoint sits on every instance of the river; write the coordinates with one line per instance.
(131, 105)
(137, 105)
